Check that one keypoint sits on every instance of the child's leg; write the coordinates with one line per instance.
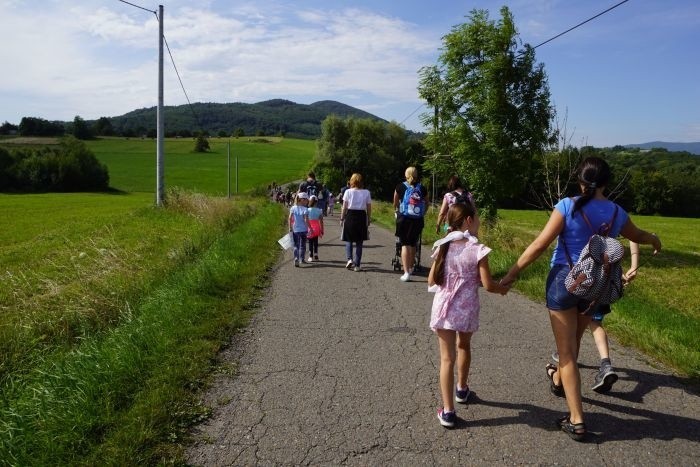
(446, 339)
(601, 339)
(302, 235)
(464, 358)
(297, 246)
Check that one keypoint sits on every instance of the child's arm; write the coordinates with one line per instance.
(306, 219)
(321, 219)
(487, 281)
(290, 221)
(431, 275)
(634, 263)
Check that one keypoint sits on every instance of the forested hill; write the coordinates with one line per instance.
(693, 148)
(273, 117)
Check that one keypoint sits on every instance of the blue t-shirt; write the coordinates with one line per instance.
(576, 231)
(315, 213)
(298, 213)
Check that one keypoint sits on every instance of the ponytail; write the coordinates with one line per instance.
(593, 173)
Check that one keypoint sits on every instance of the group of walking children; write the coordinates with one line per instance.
(306, 225)
(461, 264)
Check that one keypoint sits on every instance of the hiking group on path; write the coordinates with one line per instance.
(341, 368)
(461, 265)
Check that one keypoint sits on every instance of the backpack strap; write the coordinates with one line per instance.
(603, 230)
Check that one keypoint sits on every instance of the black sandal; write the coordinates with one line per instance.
(556, 389)
(576, 431)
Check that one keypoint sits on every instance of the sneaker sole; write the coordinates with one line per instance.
(606, 384)
(445, 423)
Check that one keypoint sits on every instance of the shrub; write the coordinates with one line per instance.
(69, 167)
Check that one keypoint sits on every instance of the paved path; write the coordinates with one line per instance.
(340, 368)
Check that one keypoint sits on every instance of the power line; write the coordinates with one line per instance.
(196, 118)
(137, 6)
(548, 40)
(581, 23)
(172, 60)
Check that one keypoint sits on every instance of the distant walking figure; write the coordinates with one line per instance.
(355, 219)
(455, 194)
(571, 221)
(461, 265)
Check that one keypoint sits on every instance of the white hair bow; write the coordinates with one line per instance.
(452, 236)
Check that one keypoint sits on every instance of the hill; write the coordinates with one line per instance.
(272, 117)
(693, 148)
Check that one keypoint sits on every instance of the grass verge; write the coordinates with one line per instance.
(123, 395)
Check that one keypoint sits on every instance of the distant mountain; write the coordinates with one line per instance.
(693, 148)
(269, 117)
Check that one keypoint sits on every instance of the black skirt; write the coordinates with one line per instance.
(355, 226)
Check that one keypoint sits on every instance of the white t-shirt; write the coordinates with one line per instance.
(357, 198)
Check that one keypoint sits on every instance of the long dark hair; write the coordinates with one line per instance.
(453, 183)
(456, 215)
(593, 173)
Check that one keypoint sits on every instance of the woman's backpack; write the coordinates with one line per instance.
(597, 275)
(412, 204)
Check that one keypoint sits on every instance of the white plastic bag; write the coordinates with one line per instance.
(287, 241)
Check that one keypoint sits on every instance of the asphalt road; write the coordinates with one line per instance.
(340, 368)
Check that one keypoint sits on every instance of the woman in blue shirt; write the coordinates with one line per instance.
(565, 310)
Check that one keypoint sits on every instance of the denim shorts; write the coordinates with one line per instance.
(558, 298)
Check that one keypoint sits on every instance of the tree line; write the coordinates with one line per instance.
(68, 167)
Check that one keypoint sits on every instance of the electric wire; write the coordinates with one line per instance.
(581, 23)
(137, 6)
(549, 40)
(196, 117)
(172, 60)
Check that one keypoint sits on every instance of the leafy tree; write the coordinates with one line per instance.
(239, 132)
(103, 127)
(496, 105)
(201, 143)
(379, 151)
(7, 128)
(81, 130)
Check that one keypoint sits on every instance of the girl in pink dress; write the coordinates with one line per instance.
(461, 265)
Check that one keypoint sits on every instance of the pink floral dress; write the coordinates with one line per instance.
(456, 303)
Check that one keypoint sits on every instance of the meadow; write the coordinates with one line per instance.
(132, 163)
(102, 294)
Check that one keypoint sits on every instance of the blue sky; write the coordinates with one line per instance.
(629, 76)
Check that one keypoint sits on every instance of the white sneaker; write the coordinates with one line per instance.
(349, 265)
(406, 277)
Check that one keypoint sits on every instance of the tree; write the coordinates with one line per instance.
(201, 143)
(239, 132)
(496, 106)
(103, 127)
(379, 151)
(81, 130)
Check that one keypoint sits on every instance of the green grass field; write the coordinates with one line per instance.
(132, 163)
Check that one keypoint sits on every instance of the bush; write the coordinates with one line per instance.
(69, 167)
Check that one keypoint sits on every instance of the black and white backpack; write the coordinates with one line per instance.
(597, 275)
